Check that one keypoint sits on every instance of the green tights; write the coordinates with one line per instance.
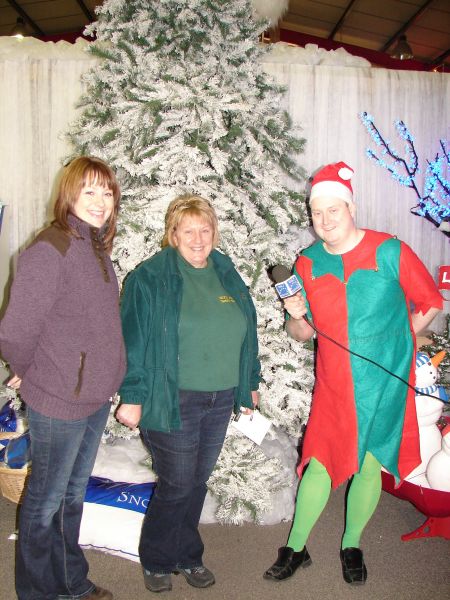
(312, 497)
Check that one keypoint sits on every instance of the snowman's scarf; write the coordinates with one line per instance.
(429, 391)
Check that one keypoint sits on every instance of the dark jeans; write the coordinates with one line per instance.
(183, 461)
(49, 563)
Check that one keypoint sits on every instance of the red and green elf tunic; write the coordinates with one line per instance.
(362, 299)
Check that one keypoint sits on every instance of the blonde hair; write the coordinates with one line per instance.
(189, 205)
(82, 171)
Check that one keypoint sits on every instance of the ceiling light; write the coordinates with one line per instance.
(402, 50)
(19, 30)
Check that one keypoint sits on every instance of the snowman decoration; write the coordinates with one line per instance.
(438, 470)
(429, 410)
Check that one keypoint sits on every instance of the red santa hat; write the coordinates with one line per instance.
(333, 180)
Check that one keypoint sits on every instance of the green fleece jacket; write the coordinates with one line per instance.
(150, 315)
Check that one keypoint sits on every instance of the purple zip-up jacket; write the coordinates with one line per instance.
(61, 332)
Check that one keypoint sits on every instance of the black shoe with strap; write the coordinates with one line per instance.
(287, 563)
(353, 568)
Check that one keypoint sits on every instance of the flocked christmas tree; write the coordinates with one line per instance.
(179, 102)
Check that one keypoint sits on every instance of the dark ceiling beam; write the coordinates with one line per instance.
(407, 25)
(341, 20)
(86, 11)
(437, 62)
(19, 10)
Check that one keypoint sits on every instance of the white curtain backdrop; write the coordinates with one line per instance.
(326, 91)
(325, 102)
(40, 85)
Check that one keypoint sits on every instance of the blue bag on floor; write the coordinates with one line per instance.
(17, 453)
(8, 418)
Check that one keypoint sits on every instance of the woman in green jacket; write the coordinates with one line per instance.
(190, 330)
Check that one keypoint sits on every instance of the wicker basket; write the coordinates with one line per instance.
(7, 435)
(12, 481)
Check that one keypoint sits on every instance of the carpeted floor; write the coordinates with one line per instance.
(397, 570)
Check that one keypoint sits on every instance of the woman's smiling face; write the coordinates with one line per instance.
(94, 204)
(193, 239)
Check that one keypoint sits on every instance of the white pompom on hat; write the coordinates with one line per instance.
(333, 180)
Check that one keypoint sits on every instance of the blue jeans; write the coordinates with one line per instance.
(183, 460)
(49, 563)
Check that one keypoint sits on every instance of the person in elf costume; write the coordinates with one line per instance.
(369, 292)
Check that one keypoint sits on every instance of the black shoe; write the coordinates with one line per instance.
(157, 582)
(353, 567)
(287, 563)
(199, 577)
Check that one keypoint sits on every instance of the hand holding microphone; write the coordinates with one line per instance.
(296, 306)
(288, 288)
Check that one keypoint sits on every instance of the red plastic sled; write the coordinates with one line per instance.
(434, 504)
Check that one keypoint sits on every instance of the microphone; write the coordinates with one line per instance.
(286, 284)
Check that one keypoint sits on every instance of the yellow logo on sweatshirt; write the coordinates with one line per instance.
(226, 299)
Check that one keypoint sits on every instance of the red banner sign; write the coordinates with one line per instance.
(444, 277)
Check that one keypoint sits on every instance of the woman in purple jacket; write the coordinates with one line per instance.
(61, 335)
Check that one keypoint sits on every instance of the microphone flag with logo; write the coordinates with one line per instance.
(286, 284)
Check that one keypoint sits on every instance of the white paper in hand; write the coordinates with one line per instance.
(254, 426)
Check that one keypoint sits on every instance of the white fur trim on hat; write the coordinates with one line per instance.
(332, 188)
(345, 173)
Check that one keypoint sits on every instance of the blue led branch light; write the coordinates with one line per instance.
(434, 201)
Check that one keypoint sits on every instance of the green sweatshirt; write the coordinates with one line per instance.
(211, 332)
(150, 309)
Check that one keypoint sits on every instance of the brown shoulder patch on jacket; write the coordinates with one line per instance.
(54, 236)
